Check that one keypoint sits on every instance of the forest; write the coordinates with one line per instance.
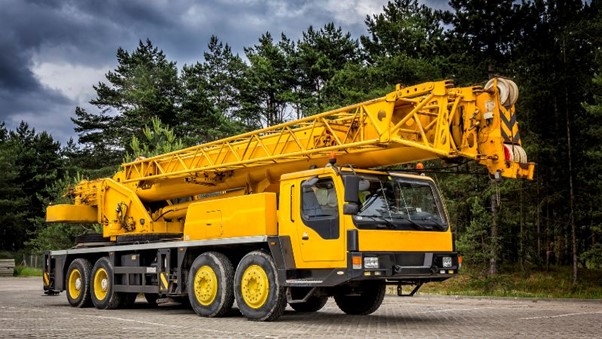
(551, 48)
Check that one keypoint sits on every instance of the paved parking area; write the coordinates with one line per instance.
(26, 312)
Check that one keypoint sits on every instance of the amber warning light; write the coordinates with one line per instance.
(333, 158)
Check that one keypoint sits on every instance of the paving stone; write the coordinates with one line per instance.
(26, 312)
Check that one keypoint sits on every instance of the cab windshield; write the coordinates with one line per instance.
(389, 202)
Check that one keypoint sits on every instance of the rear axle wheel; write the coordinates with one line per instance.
(103, 294)
(258, 292)
(210, 284)
(313, 304)
(363, 299)
(78, 283)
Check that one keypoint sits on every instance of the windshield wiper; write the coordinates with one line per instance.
(379, 218)
(415, 225)
(434, 223)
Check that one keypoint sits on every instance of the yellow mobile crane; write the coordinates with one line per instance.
(268, 218)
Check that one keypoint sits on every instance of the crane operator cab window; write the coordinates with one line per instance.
(319, 207)
(396, 203)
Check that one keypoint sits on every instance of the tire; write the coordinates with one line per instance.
(183, 301)
(145, 238)
(128, 300)
(90, 238)
(151, 299)
(363, 300)
(102, 283)
(210, 285)
(78, 283)
(313, 304)
(257, 290)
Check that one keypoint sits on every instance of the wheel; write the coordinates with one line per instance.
(257, 290)
(313, 304)
(183, 301)
(127, 300)
(78, 283)
(90, 238)
(151, 299)
(103, 296)
(144, 238)
(362, 300)
(210, 289)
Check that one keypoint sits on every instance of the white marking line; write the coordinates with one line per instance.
(137, 321)
(472, 309)
(561, 315)
(36, 319)
(454, 309)
(73, 316)
(36, 329)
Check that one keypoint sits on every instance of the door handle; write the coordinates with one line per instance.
(305, 236)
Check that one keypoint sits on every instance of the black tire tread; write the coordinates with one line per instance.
(368, 302)
(146, 238)
(114, 298)
(85, 267)
(90, 238)
(151, 299)
(274, 311)
(229, 278)
(313, 304)
(128, 300)
(225, 274)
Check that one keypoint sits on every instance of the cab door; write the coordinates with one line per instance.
(318, 225)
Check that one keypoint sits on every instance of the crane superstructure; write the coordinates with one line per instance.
(259, 218)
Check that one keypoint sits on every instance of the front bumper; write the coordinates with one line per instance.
(395, 268)
(408, 267)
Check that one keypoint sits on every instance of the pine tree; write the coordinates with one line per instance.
(263, 91)
(13, 201)
(30, 162)
(320, 55)
(210, 100)
(144, 84)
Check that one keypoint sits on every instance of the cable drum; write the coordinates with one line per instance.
(516, 153)
(507, 89)
(513, 92)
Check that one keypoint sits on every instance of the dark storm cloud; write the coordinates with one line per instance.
(67, 36)
(58, 26)
(77, 33)
(20, 91)
(52, 31)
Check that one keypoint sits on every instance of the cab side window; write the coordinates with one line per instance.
(319, 207)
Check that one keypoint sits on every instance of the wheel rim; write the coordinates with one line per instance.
(101, 284)
(205, 285)
(255, 286)
(75, 284)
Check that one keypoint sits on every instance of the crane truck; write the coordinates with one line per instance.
(289, 214)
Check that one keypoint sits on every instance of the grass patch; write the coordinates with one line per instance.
(6, 255)
(555, 283)
(25, 271)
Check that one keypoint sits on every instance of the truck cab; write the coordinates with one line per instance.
(348, 227)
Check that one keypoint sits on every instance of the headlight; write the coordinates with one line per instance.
(447, 262)
(371, 262)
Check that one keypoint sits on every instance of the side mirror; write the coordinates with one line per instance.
(352, 189)
(351, 208)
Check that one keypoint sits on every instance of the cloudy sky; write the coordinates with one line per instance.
(53, 51)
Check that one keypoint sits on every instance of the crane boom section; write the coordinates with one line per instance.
(415, 123)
